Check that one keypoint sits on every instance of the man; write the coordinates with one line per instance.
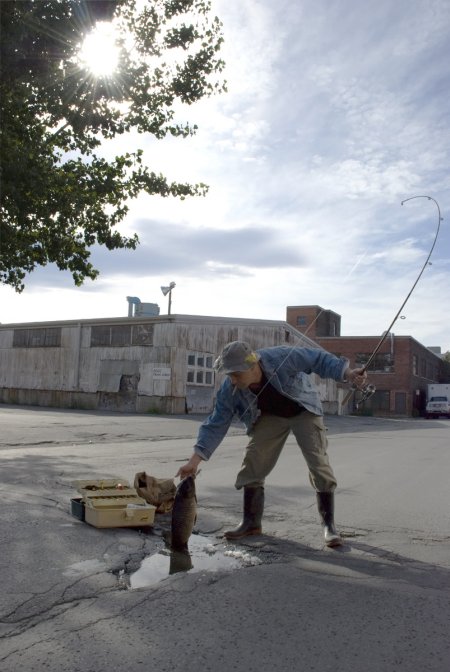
(271, 391)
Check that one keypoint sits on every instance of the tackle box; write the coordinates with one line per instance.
(111, 502)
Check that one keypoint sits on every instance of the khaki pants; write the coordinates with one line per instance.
(267, 440)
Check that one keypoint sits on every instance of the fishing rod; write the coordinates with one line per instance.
(369, 389)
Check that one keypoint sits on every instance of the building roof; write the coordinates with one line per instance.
(180, 319)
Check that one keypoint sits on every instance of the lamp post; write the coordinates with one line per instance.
(168, 290)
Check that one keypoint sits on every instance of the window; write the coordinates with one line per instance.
(301, 320)
(382, 362)
(142, 334)
(200, 369)
(100, 336)
(122, 335)
(37, 338)
(415, 365)
(423, 367)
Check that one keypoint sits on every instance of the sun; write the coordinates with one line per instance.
(99, 52)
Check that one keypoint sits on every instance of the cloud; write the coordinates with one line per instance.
(169, 248)
(335, 113)
(174, 248)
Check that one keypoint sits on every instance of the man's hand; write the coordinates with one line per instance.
(190, 468)
(357, 377)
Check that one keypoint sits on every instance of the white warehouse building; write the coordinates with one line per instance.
(160, 364)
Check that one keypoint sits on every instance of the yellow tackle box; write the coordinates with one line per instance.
(111, 502)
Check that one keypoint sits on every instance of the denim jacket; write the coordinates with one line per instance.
(287, 369)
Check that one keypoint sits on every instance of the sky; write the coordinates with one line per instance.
(336, 112)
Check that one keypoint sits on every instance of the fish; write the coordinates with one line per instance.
(184, 514)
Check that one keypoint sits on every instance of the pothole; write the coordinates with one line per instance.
(203, 556)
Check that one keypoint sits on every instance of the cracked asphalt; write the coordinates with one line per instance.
(380, 603)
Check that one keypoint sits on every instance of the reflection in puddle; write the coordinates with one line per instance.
(202, 556)
(180, 561)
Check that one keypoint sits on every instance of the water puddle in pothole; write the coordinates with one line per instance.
(202, 556)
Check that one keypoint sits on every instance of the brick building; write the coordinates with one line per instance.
(401, 370)
(314, 321)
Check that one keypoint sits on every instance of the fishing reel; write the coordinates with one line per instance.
(366, 392)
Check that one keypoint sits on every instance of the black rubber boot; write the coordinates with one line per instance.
(325, 504)
(253, 511)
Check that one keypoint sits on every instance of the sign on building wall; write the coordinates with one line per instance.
(161, 373)
(155, 379)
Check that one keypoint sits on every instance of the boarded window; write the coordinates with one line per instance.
(380, 400)
(100, 336)
(142, 334)
(37, 338)
(121, 335)
(400, 403)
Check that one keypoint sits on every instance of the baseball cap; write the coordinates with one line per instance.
(236, 356)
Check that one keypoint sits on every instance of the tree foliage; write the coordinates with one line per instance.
(59, 196)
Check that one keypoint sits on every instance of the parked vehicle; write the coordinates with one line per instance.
(438, 403)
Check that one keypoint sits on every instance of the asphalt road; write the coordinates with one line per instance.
(282, 601)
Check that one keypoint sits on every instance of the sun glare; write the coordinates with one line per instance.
(99, 51)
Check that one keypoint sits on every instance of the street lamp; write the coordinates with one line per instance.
(168, 290)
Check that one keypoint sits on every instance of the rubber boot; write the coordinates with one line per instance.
(325, 504)
(253, 511)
